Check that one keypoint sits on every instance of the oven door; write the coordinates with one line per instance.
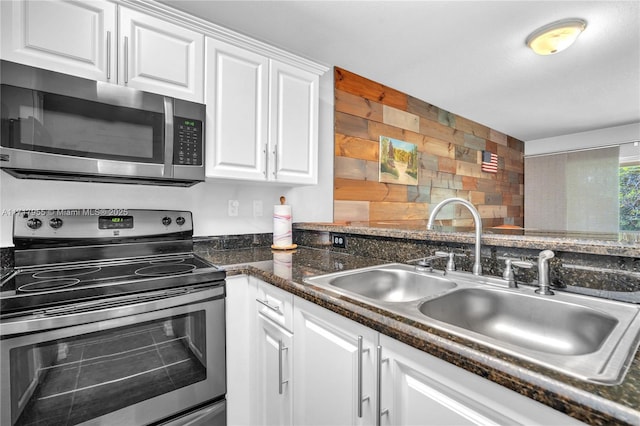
(130, 364)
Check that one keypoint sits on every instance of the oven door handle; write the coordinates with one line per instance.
(108, 308)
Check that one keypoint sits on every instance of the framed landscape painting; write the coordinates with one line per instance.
(398, 161)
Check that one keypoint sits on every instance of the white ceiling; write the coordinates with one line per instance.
(468, 57)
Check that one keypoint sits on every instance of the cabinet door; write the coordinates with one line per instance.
(294, 125)
(237, 101)
(335, 381)
(419, 389)
(160, 57)
(274, 374)
(77, 38)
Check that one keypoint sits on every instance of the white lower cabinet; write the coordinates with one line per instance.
(273, 314)
(306, 365)
(334, 368)
(420, 389)
(274, 379)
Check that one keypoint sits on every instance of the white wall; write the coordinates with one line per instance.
(208, 200)
(584, 140)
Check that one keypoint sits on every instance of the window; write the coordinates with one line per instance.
(630, 187)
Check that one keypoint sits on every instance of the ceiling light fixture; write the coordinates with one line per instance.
(555, 37)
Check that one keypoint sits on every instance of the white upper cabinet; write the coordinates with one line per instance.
(87, 39)
(262, 117)
(159, 56)
(237, 90)
(293, 140)
(77, 38)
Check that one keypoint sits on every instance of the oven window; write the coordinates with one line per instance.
(57, 124)
(69, 381)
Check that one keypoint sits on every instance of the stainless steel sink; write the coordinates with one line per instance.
(589, 338)
(536, 323)
(391, 284)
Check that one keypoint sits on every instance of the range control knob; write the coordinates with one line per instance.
(180, 220)
(34, 223)
(55, 222)
(166, 221)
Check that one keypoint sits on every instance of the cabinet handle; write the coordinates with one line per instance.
(361, 352)
(265, 151)
(275, 166)
(108, 55)
(273, 308)
(126, 60)
(281, 348)
(379, 409)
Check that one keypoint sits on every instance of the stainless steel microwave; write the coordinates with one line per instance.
(57, 126)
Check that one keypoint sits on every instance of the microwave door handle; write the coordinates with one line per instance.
(126, 60)
(108, 55)
(168, 137)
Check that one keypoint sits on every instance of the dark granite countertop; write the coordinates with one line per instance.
(590, 403)
(624, 244)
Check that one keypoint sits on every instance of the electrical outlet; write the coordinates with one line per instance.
(339, 240)
(257, 208)
(234, 206)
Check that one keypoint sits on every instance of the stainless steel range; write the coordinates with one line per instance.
(110, 318)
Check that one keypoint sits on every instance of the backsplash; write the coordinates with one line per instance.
(449, 159)
(6, 257)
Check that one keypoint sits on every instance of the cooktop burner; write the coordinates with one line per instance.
(48, 285)
(65, 273)
(165, 269)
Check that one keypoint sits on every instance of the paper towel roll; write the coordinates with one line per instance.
(282, 226)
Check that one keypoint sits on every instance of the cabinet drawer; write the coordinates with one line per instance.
(275, 304)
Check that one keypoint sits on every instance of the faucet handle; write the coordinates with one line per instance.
(522, 264)
(451, 264)
(510, 263)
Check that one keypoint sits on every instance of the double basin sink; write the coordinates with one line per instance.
(588, 338)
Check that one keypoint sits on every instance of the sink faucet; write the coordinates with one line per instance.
(477, 268)
(543, 272)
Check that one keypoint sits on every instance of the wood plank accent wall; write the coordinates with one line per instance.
(450, 154)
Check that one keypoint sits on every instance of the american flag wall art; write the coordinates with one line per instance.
(489, 162)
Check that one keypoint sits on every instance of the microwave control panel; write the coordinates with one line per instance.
(187, 141)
